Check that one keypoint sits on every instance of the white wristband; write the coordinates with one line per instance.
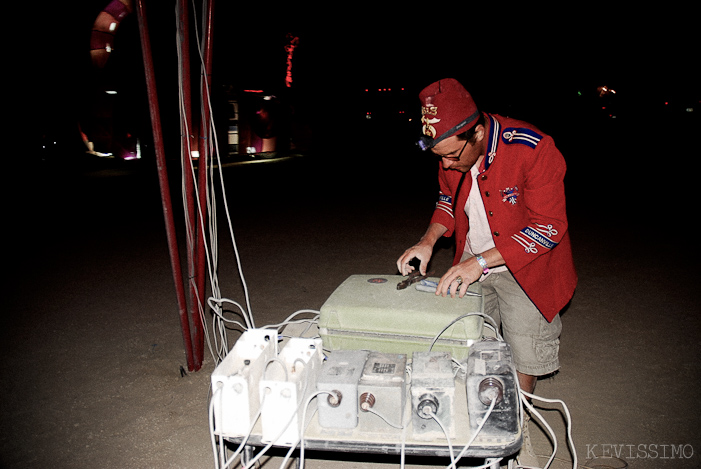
(482, 263)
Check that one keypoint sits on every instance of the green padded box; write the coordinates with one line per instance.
(367, 312)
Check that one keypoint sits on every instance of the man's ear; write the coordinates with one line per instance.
(479, 133)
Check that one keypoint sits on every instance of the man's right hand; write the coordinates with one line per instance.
(423, 250)
(420, 251)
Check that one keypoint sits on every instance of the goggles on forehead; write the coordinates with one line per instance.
(426, 142)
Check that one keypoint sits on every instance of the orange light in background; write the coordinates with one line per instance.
(289, 48)
(605, 90)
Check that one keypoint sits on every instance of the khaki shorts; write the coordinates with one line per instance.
(535, 342)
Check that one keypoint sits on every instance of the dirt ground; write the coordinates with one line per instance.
(92, 350)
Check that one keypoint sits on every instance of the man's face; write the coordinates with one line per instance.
(461, 155)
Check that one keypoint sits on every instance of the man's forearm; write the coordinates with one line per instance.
(434, 232)
(493, 257)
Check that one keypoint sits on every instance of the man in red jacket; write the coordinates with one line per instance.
(502, 196)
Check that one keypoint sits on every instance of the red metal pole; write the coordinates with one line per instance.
(205, 140)
(187, 145)
(186, 126)
(163, 180)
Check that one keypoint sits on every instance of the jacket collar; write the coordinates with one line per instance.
(493, 142)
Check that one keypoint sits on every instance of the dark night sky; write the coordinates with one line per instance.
(362, 47)
(499, 55)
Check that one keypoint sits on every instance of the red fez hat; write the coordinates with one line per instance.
(446, 109)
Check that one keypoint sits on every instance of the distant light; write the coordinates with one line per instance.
(111, 92)
(690, 109)
(289, 48)
(604, 90)
(195, 154)
(136, 154)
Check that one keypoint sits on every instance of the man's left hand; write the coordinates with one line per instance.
(459, 277)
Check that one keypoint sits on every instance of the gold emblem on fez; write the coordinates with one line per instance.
(428, 119)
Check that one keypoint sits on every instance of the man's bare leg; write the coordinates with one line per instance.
(526, 382)
(526, 455)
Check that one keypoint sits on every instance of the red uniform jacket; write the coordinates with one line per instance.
(521, 184)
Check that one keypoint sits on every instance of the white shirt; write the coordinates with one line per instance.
(479, 236)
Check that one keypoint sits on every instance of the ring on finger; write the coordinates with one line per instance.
(459, 280)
